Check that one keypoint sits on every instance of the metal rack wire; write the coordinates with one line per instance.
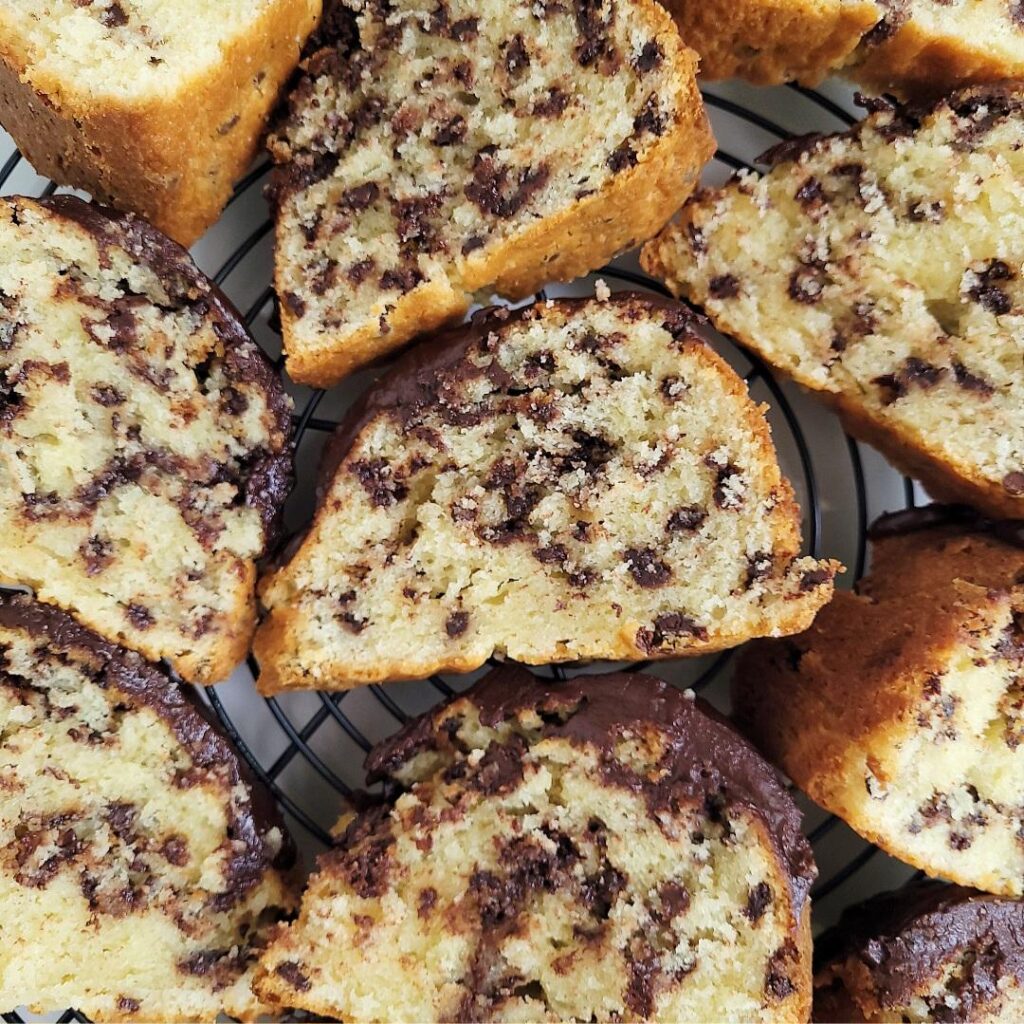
(319, 742)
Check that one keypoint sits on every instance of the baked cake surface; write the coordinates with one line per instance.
(429, 152)
(901, 709)
(882, 269)
(926, 47)
(139, 863)
(773, 41)
(152, 106)
(928, 952)
(144, 439)
(603, 849)
(578, 479)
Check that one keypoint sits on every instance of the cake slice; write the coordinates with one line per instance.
(574, 480)
(140, 865)
(769, 42)
(881, 268)
(928, 952)
(431, 151)
(599, 850)
(902, 709)
(150, 106)
(927, 47)
(145, 447)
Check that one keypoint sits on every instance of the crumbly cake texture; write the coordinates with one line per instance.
(604, 849)
(578, 479)
(900, 710)
(145, 445)
(140, 865)
(127, 100)
(769, 42)
(926, 47)
(432, 151)
(929, 952)
(881, 268)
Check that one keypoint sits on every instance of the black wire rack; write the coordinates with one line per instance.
(308, 748)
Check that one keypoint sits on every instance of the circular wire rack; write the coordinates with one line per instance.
(308, 748)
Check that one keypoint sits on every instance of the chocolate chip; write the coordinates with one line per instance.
(686, 518)
(502, 191)
(914, 373)
(515, 56)
(360, 271)
(646, 568)
(139, 616)
(295, 304)
(360, 197)
(971, 381)
(426, 901)
(621, 157)
(553, 104)
(451, 131)
(758, 900)
(456, 623)
(107, 395)
(649, 57)
(806, 284)
(114, 16)
(986, 290)
(814, 578)
(555, 554)
(1013, 483)
(290, 971)
(725, 286)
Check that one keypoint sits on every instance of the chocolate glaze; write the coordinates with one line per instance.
(706, 756)
(905, 937)
(269, 479)
(414, 381)
(188, 718)
(960, 517)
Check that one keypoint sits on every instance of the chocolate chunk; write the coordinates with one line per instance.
(114, 16)
(686, 518)
(515, 56)
(971, 381)
(456, 623)
(1013, 483)
(759, 898)
(806, 284)
(986, 290)
(502, 191)
(649, 57)
(725, 286)
(553, 104)
(621, 157)
(139, 616)
(599, 892)
(814, 578)
(360, 196)
(290, 971)
(451, 131)
(646, 568)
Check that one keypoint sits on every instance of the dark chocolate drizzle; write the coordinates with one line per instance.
(904, 938)
(269, 478)
(706, 757)
(959, 517)
(190, 721)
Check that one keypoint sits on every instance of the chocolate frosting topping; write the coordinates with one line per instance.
(269, 478)
(415, 380)
(905, 937)
(188, 718)
(705, 755)
(935, 516)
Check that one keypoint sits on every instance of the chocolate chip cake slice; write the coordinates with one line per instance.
(902, 709)
(574, 480)
(773, 41)
(429, 151)
(882, 269)
(928, 952)
(598, 850)
(140, 865)
(926, 47)
(145, 445)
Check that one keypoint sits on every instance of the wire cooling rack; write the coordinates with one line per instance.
(309, 747)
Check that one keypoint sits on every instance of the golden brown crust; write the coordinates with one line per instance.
(172, 159)
(629, 209)
(769, 42)
(916, 64)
